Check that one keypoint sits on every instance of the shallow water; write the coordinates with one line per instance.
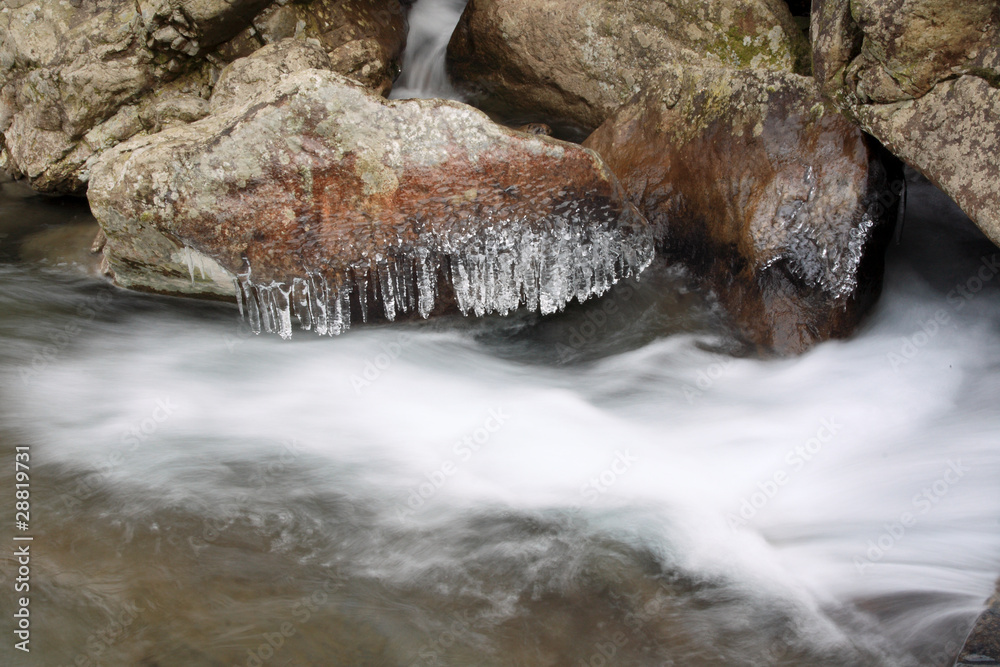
(524, 491)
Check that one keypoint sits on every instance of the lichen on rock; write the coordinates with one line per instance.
(573, 62)
(77, 78)
(765, 193)
(326, 200)
(923, 77)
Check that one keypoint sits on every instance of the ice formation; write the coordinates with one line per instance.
(200, 266)
(820, 253)
(494, 270)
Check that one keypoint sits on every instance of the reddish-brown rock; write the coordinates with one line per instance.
(315, 190)
(750, 180)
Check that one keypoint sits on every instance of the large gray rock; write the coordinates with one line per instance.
(576, 61)
(324, 198)
(67, 72)
(192, 27)
(765, 193)
(923, 77)
(364, 38)
(79, 77)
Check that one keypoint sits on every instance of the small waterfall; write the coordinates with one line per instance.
(424, 74)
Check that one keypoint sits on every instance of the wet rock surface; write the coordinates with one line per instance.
(325, 198)
(750, 180)
(982, 648)
(921, 76)
(571, 62)
(78, 78)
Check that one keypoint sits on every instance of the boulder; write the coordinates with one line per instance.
(765, 193)
(192, 27)
(573, 62)
(66, 72)
(923, 77)
(323, 199)
(363, 38)
(79, 77)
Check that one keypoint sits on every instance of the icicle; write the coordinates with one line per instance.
(252, 308)
(320, 292)
(340, 320)
(345, 308)
(264, 299)
(460, 283)
(499, 267)
(302, 299)
(386, 289)
(402, 274)
(239, 296)
(190, 263)
(361, 279)
(283, 309)
(426, 282)
(195, 260)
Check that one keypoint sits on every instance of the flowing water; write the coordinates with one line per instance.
(611, 485)
(424, 75)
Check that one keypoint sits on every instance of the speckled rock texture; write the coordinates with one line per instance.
(575, 61)
(982, 648)
(767, 194)
(364, 38)
(923, 77)
(79, 77)
(318, 194)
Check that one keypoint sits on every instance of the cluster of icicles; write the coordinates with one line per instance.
(496, 274)
(831, 267)
(819, 254)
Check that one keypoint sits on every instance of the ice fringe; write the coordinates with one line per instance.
(493, 271)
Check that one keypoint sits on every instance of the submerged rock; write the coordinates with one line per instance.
(324, 198)
(79, 77)
(752, 182)
(923, 77)
(575, 62)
